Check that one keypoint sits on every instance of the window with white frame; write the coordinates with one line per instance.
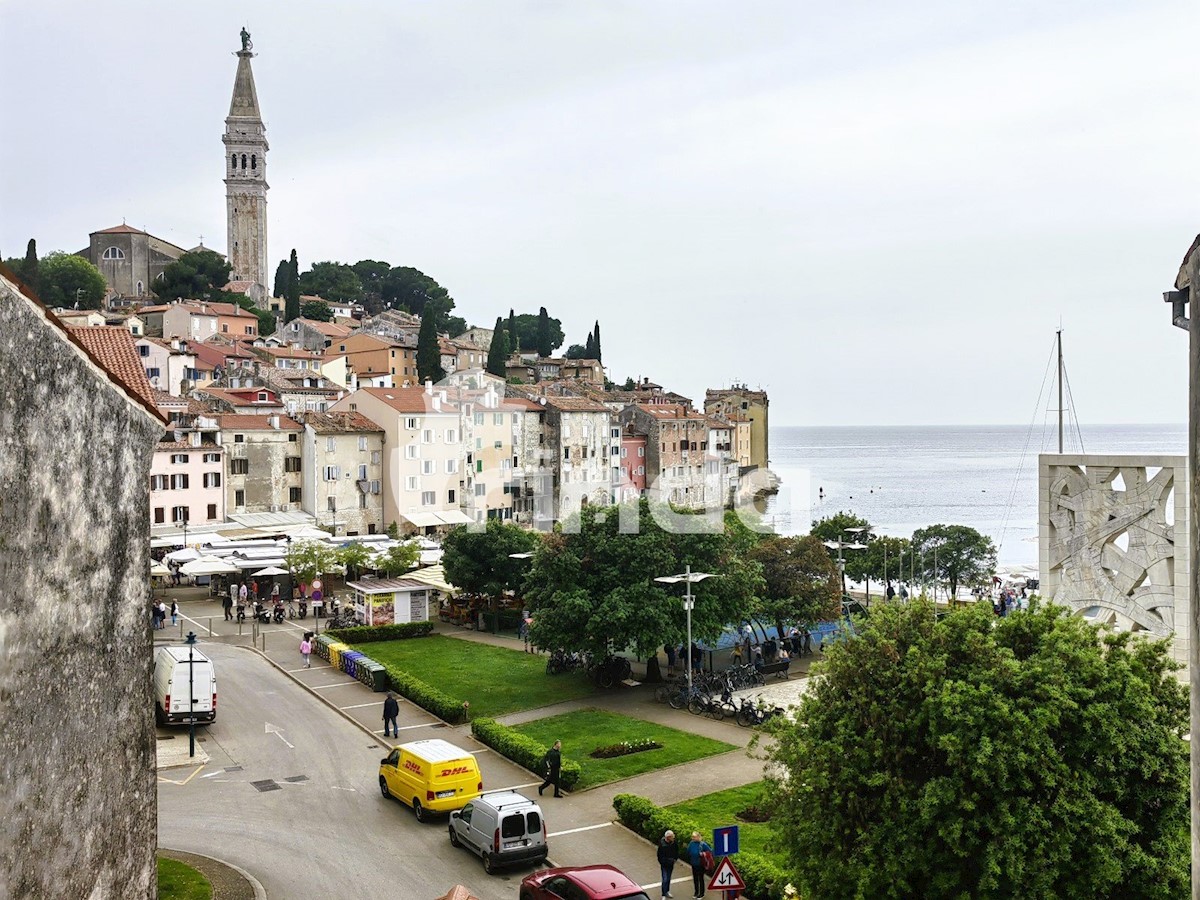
(179, 482)
(497, 418)
(427, 436)
(566, 431)
(480, 489)
(211, 457)
(158, 482)
(412, 451)
(376, 457)
(478, 418)
(451, 466)
(212, 479)
(641, 451)
(239, 467)
(331, 504)
(330, 444)
(616, 432)
(428, 466)
(412, 483)
(331, 473)
(113, 253)
(362, 442)
(624, 452)
(411, 423)
(179, 514)
(428, 498)
(179, 458)
(451, 436)
(362, 472)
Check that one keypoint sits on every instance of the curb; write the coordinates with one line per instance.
(260, 892)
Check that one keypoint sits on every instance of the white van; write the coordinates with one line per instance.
(171, 695)
(503, 828)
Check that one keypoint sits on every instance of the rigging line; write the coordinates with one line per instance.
(1071, 407)
(1012, 494)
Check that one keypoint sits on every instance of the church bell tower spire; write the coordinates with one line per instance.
(246, 180)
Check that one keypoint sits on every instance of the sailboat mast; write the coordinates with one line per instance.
(1060, 392)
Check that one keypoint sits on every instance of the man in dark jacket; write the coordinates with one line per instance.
(391, 709)
(668, 854)
(553, 763)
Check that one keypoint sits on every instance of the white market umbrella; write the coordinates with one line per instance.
(185, 555)
(269, 570)
(209, 565)
(159, 570)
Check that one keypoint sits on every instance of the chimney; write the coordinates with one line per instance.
(437, 402)
(428, 386)
(273, 421)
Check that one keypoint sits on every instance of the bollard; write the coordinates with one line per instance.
(264, 642)
(181, 629)
(210, 634)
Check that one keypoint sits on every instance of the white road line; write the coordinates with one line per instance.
(359, 705)
(406, 727)
(577, 830)
(306, 669)
(516, 787)
(321, 687)
(483, 750)
(650, 887)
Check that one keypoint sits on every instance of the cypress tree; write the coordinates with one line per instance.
(429, 354)
(29, 272)
(589, 349)
(291, 309)
(514, 342)
(545, 339)
(281, 278)
(498, 351)
(596, 343)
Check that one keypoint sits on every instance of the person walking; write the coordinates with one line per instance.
(227, 603)
(391, 709)
(174, 612)
(162, 614)
(553, 762)
(242, 592)
(306, 651)
(695, 854)
(668, 853)
(670, 658)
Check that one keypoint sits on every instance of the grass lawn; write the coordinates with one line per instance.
(177, 881)
(721, 808)
(587, 729)
(493, 680)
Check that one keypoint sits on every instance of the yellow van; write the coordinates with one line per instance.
(431, 776)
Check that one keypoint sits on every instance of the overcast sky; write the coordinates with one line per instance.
(879, 212)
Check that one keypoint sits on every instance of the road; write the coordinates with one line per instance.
(340, 834)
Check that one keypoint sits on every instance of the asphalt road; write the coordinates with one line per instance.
(321, 828)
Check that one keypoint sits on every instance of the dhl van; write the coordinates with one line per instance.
(431, 776)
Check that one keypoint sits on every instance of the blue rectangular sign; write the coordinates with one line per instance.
(725, 840)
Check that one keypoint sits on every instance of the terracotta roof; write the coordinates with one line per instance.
(668, 411)
(163, 398)
(575, 404)
(256, 423)
(511, 403)
(239, 286)
(112, 347)
(120, 229)
(339, 423)
(290, 352)
(408, 400)
(207, 446)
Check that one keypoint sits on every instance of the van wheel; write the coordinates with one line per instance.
(454, 841)
(419, 811)
(159, 718)
(525, 895)
(383, 788)
(489, 864)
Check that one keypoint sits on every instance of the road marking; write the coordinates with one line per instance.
(212, 774)
(336, 788)
(407, 727)
(650, 887)
(517, 787)
(359, 705)
(577, 830)
(185, 781)
(321, 687)
(306, 669)
(272, 729)
(483, 750)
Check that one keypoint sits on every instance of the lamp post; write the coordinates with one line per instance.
(688, 578)
(1179, 300)
(496, 620)
(191, 645)
(840, 545)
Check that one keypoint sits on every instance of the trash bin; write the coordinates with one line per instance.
(349, 661)
(372, 674)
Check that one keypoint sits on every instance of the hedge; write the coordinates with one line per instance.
(764, 879)
(522, 749)
(441, 704)
(365, 634)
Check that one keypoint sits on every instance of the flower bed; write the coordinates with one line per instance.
(624, 748)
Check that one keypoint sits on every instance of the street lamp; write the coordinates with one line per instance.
(496, 617)
(191, 645)
(840, 545)
(688, 578)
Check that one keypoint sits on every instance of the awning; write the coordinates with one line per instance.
(269, 570)
(435, 577)
(453, 517)
(187, 554)
(421, 519)
(208, 565)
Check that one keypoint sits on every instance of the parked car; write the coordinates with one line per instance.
(502, 828)
(431, 776)
(581, 883)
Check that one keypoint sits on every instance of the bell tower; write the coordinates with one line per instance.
(246, 180)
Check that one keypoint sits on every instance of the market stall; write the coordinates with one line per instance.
(388, 601)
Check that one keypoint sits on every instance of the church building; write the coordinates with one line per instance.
(246, 183)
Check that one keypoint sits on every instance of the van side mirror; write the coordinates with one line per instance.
(383, 762)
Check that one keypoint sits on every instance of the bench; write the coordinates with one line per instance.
(779, 668)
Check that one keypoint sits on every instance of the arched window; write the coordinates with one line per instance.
(243, 160)
(253, 161)
(141, 289)
(233, 160)
(113, 253)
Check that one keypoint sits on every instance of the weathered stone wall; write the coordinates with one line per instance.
(77, 783)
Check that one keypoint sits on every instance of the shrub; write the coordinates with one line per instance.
(366, 634)
(764, 879)
(523, 750)
(442, 705)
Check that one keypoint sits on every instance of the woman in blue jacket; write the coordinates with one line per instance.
(694, 853)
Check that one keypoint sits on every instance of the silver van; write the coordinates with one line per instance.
(503, 828)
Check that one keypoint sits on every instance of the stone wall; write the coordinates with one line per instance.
(77, 781)
(1113, 539)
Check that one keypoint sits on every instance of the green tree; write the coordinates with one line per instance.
(66, 279)
(527, 332)
(514, 339)
(312, 559)
(882, 558)
(332, 281)
(317, 310)
(954, 555)
(393, 530)
(398, 559)
(589, 349)
(497, 359)
(267, 322)
(291, 307)
(281, 278)
(545, 337)
(1027, 757)
(629, 385)
(372, 272)
(480, 562)
(429, 354)
(596, 339)
(355, 558)
(591, 585)
(410, 289)
(800, 581)
(197, 275)
(575, 351)
(26, 268)
(849, 529)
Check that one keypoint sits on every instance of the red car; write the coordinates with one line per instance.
(580, 883)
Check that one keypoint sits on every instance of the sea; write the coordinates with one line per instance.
(903, 478)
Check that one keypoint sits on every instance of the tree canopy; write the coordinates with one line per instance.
(291, 307)
(65, 279)
(592, 586)
(954, 555)
(527, 332)
(800, 581)
(332, 281)
(355, 558)
(372, 272)
(480, 561)
(398, 559)
(576, 351)
(317, 310)
(429, 354)
(311, 559)
(1025, 757)
(497, 358)
(197, 275)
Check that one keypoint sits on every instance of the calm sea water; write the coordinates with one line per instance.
(903, 478)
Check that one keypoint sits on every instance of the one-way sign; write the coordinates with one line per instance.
(726, 878)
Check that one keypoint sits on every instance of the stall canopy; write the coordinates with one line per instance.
(208, 565)
(159, 570)
(185, 555)
(422, 519)
(434, 577)
(269, 570)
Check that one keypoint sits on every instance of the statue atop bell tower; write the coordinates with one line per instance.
(246, 180)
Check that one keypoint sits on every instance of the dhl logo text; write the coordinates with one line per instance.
(458, 770)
